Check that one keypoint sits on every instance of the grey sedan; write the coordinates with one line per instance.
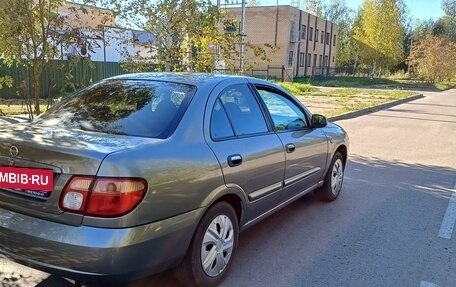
(142, 173)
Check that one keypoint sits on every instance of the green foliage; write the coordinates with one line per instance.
(189, 35)
(379, 33)
(315, 7)
(434, 59)
(26, 27)
(6, 81)
(30, 33)
(449, 7)
(338, 12)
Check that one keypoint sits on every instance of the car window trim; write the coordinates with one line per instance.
(217, 100)
(288, 97)
(180, 113)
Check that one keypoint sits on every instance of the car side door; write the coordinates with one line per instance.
(305, 147)
(250, 154)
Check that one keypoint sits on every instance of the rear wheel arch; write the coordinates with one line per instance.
(232, 195)
(235, 202)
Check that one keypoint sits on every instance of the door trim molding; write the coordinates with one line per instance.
(300, 176)
(281, 205)
(265, 191)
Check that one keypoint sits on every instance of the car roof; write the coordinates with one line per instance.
(196, 79)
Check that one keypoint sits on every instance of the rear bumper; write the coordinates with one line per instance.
(96, 254)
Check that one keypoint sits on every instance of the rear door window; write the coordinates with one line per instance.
(243, 110)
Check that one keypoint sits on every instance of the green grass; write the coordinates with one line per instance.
(446, 85)
(349, 82)
(387, 83)
(341, 92)
(339, 101)
(14, 109)
(298, 88)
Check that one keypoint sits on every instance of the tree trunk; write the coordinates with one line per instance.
(169, 48)
(36, 85)
(373, 70)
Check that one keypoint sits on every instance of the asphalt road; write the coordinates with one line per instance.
(391, 226)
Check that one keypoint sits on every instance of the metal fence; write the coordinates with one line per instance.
(267, 73)
(58, 77)
(328, 72)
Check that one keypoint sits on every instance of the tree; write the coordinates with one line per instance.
(446, 25)
(380, 32)
(449, 7)
(434, 58)
(6, 81)
(315, 7)
(253, 3)
(30, 32)
(188, 34)
(27, 28)
(338, 12)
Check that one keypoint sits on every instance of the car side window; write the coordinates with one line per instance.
(220, 124)
(285, 114)
(243, 111)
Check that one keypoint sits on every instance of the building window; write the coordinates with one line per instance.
(303, 32)
(322, 35)
(302, 58)
(292, 31)
(309, 59)
(316, 35)
(327, 38)
(290, 58)
(334, 40)
(319, 60)
(311, 31)
(326, 63)
(315, 60)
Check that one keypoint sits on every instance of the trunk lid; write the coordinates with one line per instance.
(65, 152)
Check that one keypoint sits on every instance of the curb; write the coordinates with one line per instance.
(369, 110)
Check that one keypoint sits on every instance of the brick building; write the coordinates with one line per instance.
(306, 43)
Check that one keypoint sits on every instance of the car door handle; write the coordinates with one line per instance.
(290, 148)
(234, 160)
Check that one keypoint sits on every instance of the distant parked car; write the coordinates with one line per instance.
(146, 172)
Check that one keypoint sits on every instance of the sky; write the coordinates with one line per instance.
(419, 9)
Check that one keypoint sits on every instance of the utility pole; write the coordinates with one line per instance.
(217, 48)
(276, 23)
(242, 34)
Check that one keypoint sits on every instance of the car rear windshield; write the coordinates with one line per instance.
(142, 108)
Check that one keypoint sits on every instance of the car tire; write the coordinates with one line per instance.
(333, 180)
(212, 248)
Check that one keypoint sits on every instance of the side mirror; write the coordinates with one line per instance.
(318, 121)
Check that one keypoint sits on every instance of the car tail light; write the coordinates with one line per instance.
(102, 196)
(75, 194)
